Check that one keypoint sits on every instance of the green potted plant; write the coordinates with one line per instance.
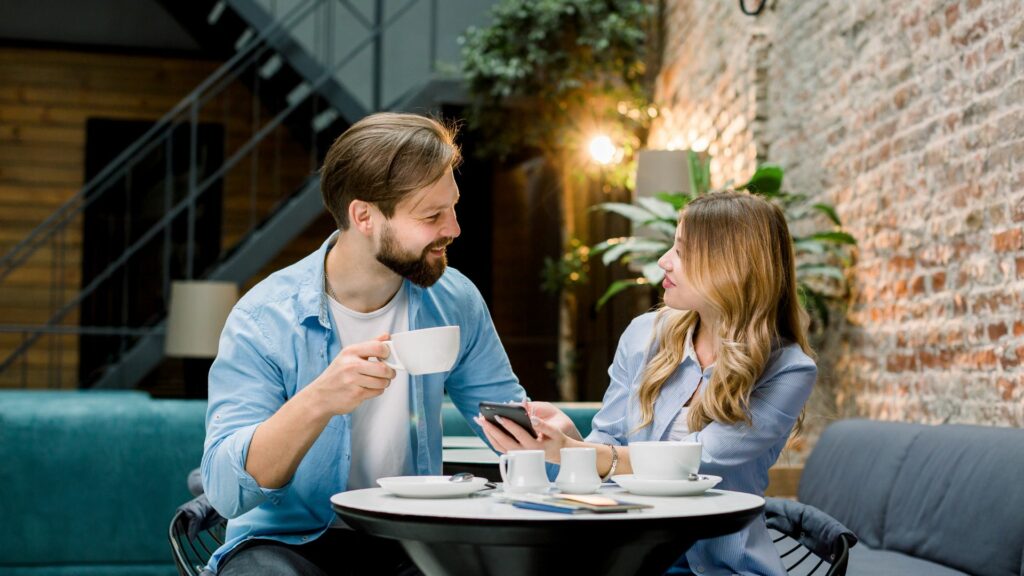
(823, 255)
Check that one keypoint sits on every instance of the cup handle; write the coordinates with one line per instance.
(392, 359)
(503, 464)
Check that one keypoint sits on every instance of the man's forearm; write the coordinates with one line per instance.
(279, 444)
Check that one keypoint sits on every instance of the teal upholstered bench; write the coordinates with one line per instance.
(90, 480)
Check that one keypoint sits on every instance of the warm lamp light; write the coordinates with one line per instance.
(198, 310)
(602, 150)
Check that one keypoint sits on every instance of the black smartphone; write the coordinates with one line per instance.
(514, 412)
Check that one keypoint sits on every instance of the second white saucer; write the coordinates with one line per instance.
(645, 487)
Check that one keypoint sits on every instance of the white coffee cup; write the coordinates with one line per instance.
(664, 460)
(523, 471)
(578, 472)
(424, 351)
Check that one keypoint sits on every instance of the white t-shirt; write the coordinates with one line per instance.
(680, 428)
(381, 437)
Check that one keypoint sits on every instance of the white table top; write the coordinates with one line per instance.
(469, 456)
(463, 442)
(488, 506)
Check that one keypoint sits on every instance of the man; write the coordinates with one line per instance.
(300, 408)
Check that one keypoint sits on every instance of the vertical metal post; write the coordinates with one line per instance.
(192, 186)
(168, 202)
(433, 36)
(254, 164)
(378, 53)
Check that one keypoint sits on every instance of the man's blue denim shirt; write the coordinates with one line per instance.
(279, 338)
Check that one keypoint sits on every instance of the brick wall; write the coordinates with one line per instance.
(909, 117)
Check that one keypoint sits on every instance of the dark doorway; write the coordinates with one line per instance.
(119, 214)
(471, 253)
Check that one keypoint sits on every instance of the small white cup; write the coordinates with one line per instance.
(578, 471)
(523, 471)
(424, 351)
(664, 460)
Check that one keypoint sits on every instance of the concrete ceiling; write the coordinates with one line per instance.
(129, 24)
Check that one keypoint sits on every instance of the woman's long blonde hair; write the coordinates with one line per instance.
(738, 256)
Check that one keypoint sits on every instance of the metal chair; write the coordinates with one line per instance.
(195, 532)
(803, 532)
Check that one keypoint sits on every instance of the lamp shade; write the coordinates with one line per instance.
(197, 314)
(662, 171)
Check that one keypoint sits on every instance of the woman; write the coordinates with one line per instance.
(725, 363)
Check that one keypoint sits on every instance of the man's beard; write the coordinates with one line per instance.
(417, 269)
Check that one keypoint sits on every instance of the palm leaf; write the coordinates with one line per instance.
(835, 237)
(766, 181)
(631, 212)
(821, 270)
(663, 210)
(678, 200)
(828, 211)
(619, 286)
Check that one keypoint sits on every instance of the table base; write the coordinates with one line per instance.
(640, 558)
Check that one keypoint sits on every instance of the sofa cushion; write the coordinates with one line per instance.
(93, 478)
(959, 500)
(866, 561)
(851, 470)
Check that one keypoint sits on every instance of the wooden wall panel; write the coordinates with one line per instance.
(46, 97)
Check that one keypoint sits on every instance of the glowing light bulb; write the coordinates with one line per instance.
(602, 150)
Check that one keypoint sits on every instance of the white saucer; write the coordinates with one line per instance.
(645, 487)
(430, 486)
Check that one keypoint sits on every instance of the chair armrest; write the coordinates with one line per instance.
(814, 529)
(199, 515)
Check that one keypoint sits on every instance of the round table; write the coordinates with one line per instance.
(482, 535)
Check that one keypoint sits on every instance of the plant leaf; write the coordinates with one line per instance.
(618, 286)
(599, 248)
(653, 273)
(828, 211)
(663, 210)
(821, 270)
(767, 181)
(833, 237)
(633, 246)
(810, 246)
(633, 213)
(678, 200)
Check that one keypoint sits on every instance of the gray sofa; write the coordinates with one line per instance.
(928, 500)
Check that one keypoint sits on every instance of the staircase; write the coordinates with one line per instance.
(309, 75)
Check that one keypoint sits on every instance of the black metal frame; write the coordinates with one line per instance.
(192, 554)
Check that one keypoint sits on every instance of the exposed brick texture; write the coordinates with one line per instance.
(909, 117)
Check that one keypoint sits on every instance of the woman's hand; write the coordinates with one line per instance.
(550, 438)
(554, 416)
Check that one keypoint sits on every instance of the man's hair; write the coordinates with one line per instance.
(382, 158)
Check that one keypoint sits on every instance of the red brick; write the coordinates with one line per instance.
(994, 49)
(942, 359)
(939, 281)
(952, 14)
(1018, 210)
(917, 286)
(900, 363)
(1006, 388)
(1008, 241)
(1018, 328)
(997, 331)
(983, 359)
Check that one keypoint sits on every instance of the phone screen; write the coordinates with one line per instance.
(514, 412)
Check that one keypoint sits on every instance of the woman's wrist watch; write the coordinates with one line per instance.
(615, 462)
